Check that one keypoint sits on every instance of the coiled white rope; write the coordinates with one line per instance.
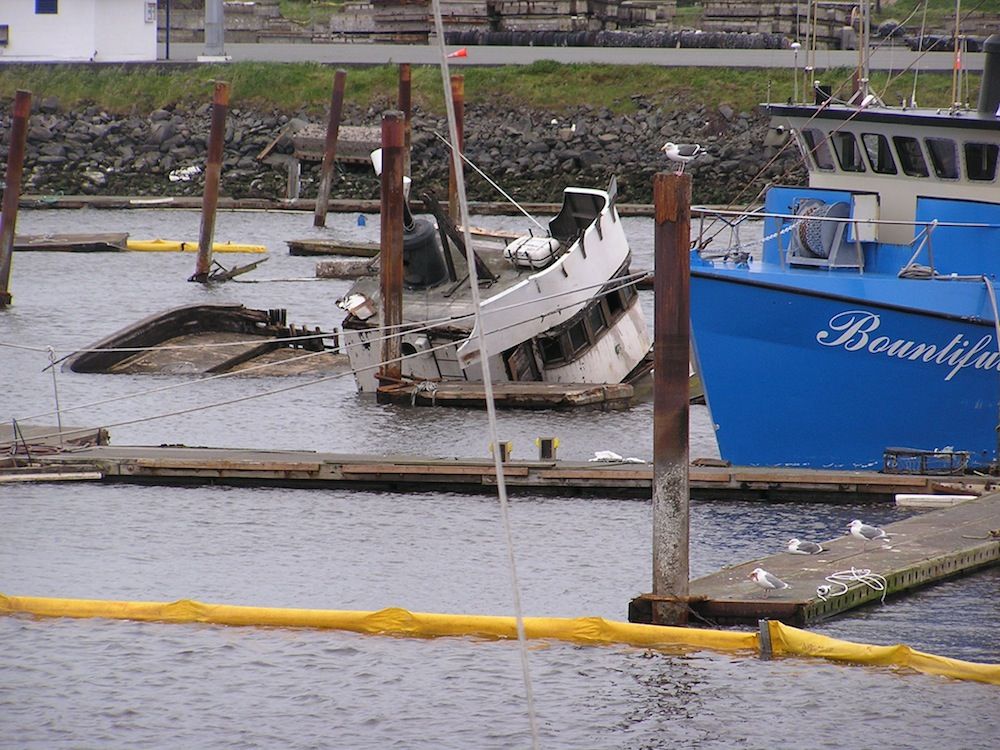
(840, 583)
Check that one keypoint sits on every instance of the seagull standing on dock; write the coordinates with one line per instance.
(681, 153)
(869, 533)
(767, 581)
(800, 547)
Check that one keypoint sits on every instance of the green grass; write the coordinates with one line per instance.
(545, 85)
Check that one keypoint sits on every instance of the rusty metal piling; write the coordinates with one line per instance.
(458, 96)
(12, 189)
(671, 350)
(330, 148)
(213, 173)
(405, 104)
(391, 265)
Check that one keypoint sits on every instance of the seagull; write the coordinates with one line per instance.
(869, 533)
(767, 581)
(799, 547)
(681, 153)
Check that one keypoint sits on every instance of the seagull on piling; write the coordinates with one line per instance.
(869, 533)
(799, 547)
(681, 153)
(767, 581)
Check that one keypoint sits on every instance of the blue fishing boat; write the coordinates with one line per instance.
(866, 330)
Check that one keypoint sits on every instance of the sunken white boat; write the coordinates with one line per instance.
(558, 306)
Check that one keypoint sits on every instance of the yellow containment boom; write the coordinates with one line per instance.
(784, 640)
(178, 246)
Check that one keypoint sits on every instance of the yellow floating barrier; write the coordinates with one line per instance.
(785, 640)
(178, 246)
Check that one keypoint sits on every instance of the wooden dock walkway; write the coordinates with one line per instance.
(307, 469)
(923, 549)
(509, 395)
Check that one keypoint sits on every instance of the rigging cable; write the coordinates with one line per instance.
(485, 364)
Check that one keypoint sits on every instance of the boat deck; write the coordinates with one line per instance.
(923, 549)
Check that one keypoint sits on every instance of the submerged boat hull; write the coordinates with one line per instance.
(797, 377)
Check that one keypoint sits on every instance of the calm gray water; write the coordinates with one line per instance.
(92, 683)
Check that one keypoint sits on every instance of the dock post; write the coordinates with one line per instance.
(391, 241)
(458, 96)
(764, 632)
(330, 147)
(671, 352)
(405, 105)
(12, 189)
(213, 172)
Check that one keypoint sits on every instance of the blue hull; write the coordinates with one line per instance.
(827, 371)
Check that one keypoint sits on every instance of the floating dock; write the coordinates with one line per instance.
(929, 547)
(108, 242)
(509, 395)
(307, 469)
(333, 247)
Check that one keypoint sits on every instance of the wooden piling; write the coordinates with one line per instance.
(458, 96)
(405, 105)
(330, 147)
(12, 189)
(672, 231)
(391, 266)
(213, 173)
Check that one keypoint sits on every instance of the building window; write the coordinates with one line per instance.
(879, 153)
(981, 161)
(911, 158)
(944, 157)
(46, 6)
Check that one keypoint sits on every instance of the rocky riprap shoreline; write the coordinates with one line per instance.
(532, 154)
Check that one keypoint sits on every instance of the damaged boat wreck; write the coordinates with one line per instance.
(557, 306)
(202, 338)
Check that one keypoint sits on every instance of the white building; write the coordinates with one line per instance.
(77, 30)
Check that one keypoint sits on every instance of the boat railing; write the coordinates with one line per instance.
(740, 250)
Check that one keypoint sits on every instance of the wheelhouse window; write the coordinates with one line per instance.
(848, 153)
(879, 153)
(46, 6)
(578, 337)
(550, 347)
(586, 327)
(944, 157)
(817, 145)
(981, 161)
(911, 158)
(595, 318)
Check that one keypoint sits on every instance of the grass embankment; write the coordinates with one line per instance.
(545, 85)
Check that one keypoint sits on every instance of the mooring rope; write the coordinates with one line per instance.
(839, 583)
